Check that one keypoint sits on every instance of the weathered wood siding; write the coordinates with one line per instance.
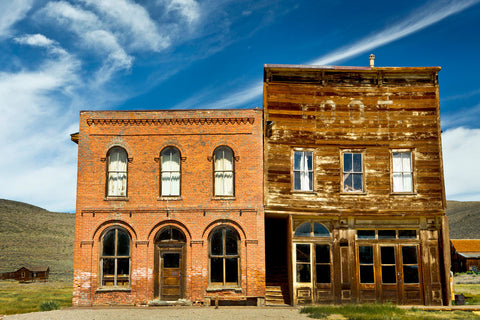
(372, 110)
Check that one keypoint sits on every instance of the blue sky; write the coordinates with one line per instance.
(60, 57)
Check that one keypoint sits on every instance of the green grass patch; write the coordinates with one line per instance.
(384, 312)
(29, 297)
(470, 291)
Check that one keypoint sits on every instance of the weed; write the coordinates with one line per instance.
(49, 305)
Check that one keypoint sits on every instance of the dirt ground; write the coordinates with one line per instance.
(180, 313)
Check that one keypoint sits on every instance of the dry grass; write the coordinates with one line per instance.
(23, 298)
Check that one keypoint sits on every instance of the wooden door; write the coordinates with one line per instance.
(389, 274)
(367, 273)
(171, 275)
(409, 275)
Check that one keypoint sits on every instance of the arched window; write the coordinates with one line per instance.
(117, 172)
(115, 258)
(171, 234)
(170, 168)
(224, 257)
(311, 229)
(223, 171)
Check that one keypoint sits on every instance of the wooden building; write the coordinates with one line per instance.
(465, 255)
(28, 274)
(353, 184)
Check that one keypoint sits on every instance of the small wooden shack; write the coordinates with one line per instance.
(465, 255)
(28, 274)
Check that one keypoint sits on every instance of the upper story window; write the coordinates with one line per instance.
(170, 172)
(303, 170)
(115, 258)
(352, 172)
(223, 171)
(117, 172)
(402, 172)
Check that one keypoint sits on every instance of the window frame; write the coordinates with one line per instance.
(115, 286)
(342, 170)
(224, 256)
(214, 171)
(292, 169)
(107, 171)
(179, 172)
(412, 172)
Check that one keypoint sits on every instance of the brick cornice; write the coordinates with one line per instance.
(171, 121)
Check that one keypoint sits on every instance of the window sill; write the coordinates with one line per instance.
(363, 193)
(111, 289)
(113, 198)
(170, 198)
(310, 192)
(223, 198)
(403, 193)
(224, 288)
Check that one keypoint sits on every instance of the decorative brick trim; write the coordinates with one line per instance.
(141, 243)
(196, 242)
(86, 243)
(251, 241)
(183, 121)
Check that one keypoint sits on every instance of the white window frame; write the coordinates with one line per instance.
(305, 174)
(352, 172)
(117, 170)
(168, 190)
(223, 186)
(403, 173)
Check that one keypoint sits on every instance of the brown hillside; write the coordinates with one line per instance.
(32, 236)
(464, 219)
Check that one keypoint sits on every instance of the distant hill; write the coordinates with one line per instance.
(464, 219)
(32, 236)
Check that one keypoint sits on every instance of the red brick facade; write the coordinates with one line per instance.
(143, 213)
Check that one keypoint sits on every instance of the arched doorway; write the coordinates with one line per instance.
(169, 264)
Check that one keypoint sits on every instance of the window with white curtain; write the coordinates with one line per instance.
(117, 172)
(170, 166)
(402, 172)
(223, 171)
(303, 171)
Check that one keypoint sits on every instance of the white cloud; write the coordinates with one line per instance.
(461, 153)
(133, 20)
(12, 12)
(188, 9)
(33, 130)
(37, 40)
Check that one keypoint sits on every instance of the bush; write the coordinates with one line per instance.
(49, 305)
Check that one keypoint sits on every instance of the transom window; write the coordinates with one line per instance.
(402, 172)
(117, 172)
(170, 234)
(115, 258)
(170, 165)
(223, 171)
(224, 257)
(311, 229)
(352, 172)
(303, 170)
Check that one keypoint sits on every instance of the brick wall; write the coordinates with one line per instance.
(143, 212)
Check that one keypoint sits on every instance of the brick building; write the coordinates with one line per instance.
(169, 206)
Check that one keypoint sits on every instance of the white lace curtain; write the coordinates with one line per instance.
(402, 172)
(223, 172)
(117, 172)
(170, 172)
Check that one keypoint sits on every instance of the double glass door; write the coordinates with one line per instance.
(389, 273)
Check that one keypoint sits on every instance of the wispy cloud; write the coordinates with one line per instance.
(11, 12)
(422, 18)
(467, 116)
(133, 21)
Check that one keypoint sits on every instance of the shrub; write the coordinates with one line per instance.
(49, 305)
